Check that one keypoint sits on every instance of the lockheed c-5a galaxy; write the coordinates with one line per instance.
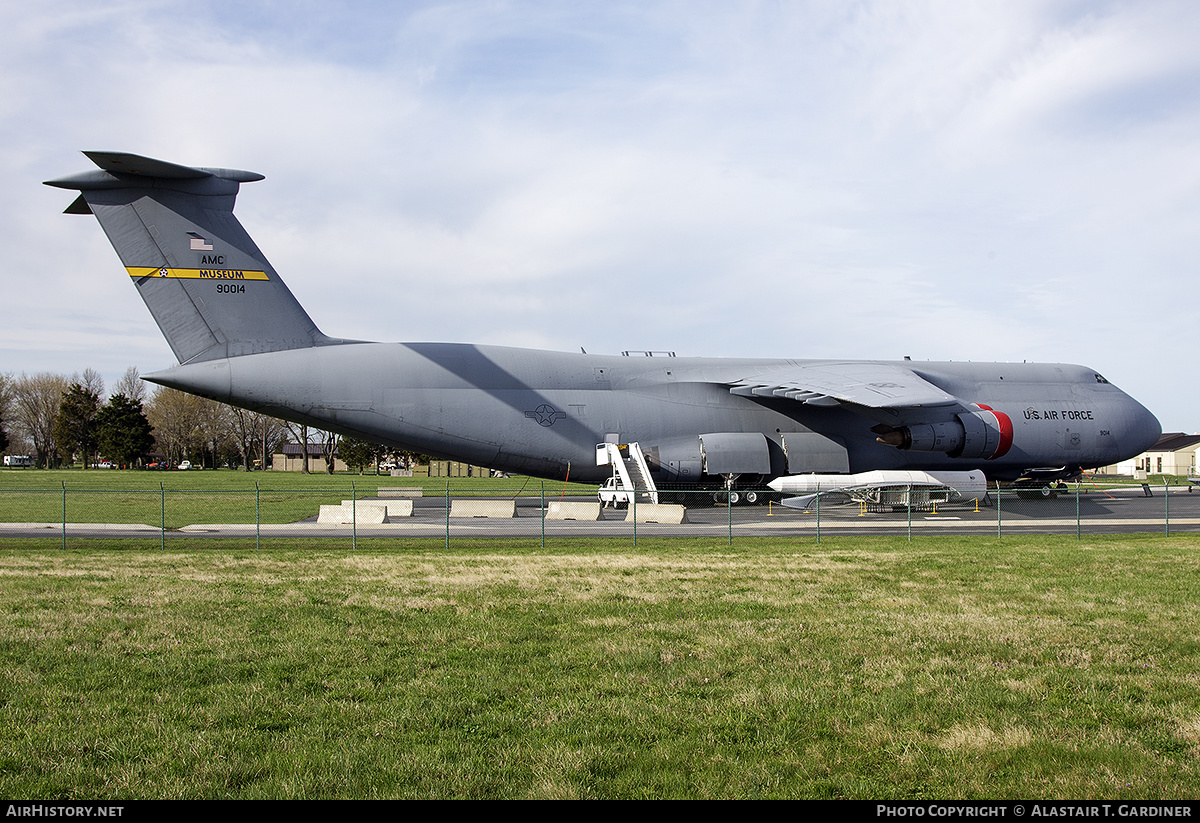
(697, 422)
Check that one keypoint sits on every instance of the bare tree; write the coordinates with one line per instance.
(299, 432)
(6, 396)
(274, 432)
(6, 381)
(176, 418)
(131, 385)
(253, 432)
(35, 403)
(90, 381)
(329, 448)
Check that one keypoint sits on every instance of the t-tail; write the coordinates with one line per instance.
(210, 289)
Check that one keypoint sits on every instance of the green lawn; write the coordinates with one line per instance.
(231, 479)
(1027, 667)
(181, 498)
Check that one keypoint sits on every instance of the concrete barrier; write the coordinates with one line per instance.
(399, 491)
(483, 508)
(656, 513)
(332, 515)
(344, 515)
(566, 510)
(392, 508)
(364, 512)
(400, 508)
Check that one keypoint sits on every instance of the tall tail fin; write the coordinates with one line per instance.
(210, 289)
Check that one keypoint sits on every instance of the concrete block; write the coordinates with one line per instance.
(332, 515)
(400, 508)
(365, 514)
(392, 508)
(568, 510)
(399, 491)
(483, 508)
(657, 513)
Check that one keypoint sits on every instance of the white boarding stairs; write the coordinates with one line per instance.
(629, 466)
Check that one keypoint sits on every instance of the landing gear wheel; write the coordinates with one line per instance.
(1033, 491)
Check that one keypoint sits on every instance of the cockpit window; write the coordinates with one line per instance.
(1100, 379)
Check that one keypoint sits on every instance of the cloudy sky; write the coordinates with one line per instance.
(946, 180)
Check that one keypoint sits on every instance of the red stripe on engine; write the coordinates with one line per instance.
(1005, 426)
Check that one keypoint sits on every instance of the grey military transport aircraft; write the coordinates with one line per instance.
(242, 338)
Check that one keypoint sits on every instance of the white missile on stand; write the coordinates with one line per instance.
(884, 487)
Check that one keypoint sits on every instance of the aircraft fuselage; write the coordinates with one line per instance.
(542, 413)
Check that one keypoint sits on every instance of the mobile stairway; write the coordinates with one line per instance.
(631, 478)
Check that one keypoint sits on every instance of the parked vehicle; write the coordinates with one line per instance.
(611, 494)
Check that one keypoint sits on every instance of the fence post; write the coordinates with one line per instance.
(633, 509)
(447, 514)
(1078, 525)
(1167, 504)
(908, 497)
(818, 513)
(257, 518)
(353, 516)
(543, 499)
(64, 514)
(729, 512)
(162, 516)
(998, 520)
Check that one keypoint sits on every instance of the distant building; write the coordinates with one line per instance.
(289, 458)
(452, 468)
(1174, 453)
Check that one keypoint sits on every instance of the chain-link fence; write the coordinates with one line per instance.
(546, 514)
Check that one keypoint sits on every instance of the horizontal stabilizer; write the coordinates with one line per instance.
(144, 166)
(210, 289)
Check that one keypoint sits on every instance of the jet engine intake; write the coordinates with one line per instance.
(985, 434)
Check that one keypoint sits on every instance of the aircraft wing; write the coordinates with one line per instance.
(873, 385)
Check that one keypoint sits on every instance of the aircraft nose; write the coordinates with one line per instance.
(1142, 429)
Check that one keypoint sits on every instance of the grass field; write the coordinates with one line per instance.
(234, 480)
(180, 498)
(860, 668)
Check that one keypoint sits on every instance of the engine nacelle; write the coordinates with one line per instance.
(985, 434)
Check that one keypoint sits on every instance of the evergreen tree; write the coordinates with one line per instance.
(358, 454)
(75, 424)
(124, 433)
